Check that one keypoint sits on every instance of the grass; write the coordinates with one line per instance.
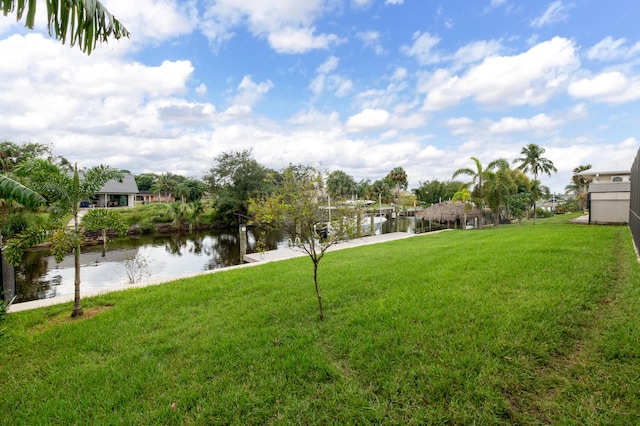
(513, 325)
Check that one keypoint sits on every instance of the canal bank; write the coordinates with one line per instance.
(253, 259)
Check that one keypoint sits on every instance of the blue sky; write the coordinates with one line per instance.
(357, 85)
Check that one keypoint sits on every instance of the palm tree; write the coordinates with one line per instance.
(84, 22)
(477, 177)
(14, 191)
(533, 161)
(579, 184)
(463, 195)
(65, 192)
(398, 177)
(498, 186)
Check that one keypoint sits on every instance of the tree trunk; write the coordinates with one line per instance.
(77, 308)
(315, 280)
(104, 242)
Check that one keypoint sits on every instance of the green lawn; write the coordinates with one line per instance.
(513, 325)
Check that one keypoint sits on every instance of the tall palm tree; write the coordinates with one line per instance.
(83, 22)
(533, 161)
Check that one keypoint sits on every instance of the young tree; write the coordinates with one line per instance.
(84, 22)
(294, 206)
(64, 192)
(533, 161)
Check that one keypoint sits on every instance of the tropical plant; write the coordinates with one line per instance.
(83, 22)
(533, 161)
(498, 186)
(65, 192)
(578, 185)
(103, 220)
(463, 195)
(398, 178)
(294, 207)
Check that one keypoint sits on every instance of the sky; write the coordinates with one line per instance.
(362, 86)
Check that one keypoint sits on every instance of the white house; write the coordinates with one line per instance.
(609, 193)
(117, 194)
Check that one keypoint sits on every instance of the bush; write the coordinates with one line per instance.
(542, 212)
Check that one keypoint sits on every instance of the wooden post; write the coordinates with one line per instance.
(243, 242)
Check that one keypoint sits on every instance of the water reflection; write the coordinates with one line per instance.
(40, 277)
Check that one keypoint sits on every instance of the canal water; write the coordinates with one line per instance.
(141, 259)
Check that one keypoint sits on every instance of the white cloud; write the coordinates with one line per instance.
(611, 87)
(329, 65)
(539, 122)
(371, 39)
(555, 12)
(300, 40)
(394, 2)
(530, 78)
(155, 20)
(286, 24)
(249, 92)
(362, 3)
(422, 48)
(477, 51)
(325, 81)
(367, 120)
(610, 49)
(201, 89)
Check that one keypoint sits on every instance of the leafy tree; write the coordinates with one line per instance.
(197, 189)
(235, 178)
(361, 187)
(164, 184)
(340, 184)
(434, 191)
(519, 204)
(380, 189)
(103, 220)
(65, 191)
(146, 181)
(533, 161)
(398, 178)
(182, 190)
(294, 207)
(84, 22)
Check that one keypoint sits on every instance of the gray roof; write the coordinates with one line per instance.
(127, 186)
